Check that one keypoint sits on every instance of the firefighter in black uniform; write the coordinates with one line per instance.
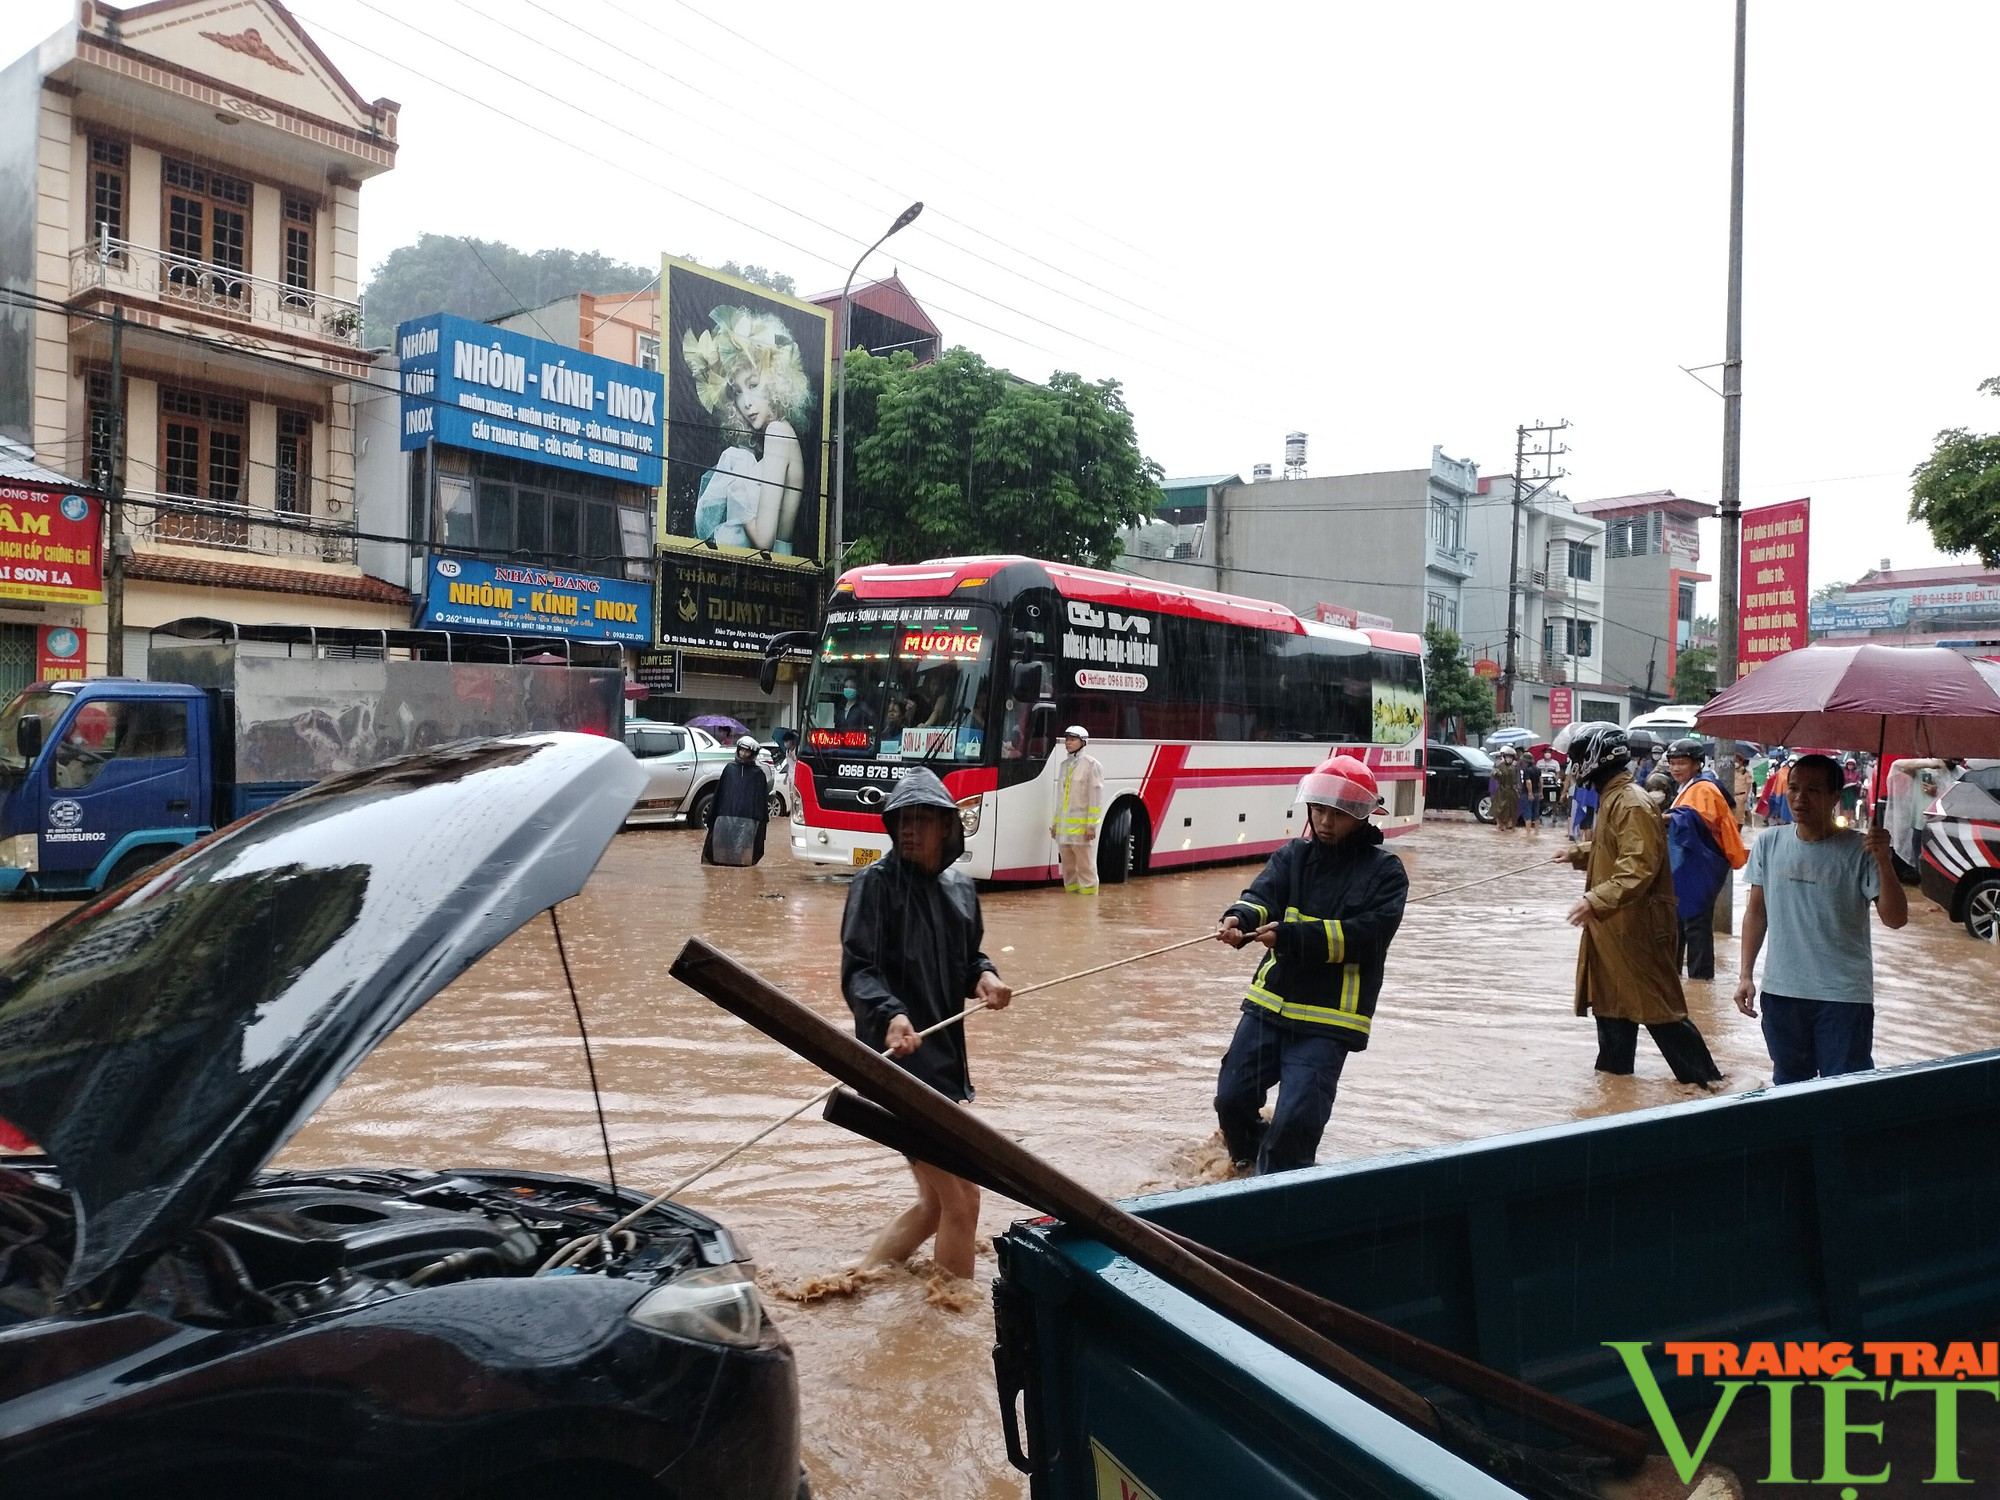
(1325, 909)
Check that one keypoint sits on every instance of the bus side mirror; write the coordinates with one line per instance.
(1030, 680)
(767, 676)
(28, 737)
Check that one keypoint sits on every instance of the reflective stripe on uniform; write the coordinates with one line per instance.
(1336, 936)
(1348, 1014)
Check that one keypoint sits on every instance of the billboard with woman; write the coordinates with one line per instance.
(749, 376)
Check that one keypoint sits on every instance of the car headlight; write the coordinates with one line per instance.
(968, 814)
(718, 1305)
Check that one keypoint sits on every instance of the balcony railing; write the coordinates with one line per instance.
(178, 280)
(188, 521)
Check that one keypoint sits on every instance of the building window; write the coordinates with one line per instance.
(298, 251)
(1441, 610)
(649, 351)
(1581, 560)
(207, 226)
(103, 428)
(1447, 525)
(202, 442)
(294, 464)
(1563, 636)
(107, 191)
(541, 515)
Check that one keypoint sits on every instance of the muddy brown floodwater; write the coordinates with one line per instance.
(1109, 1078)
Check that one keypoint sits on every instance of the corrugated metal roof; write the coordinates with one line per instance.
(1200, 481)
(17, 461)
(1906, 578)
(1665, 500)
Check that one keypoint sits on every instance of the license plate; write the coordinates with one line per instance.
(866, 857)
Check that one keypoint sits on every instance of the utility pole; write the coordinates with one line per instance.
(114, 509)
(1546, 475)
(1732, 393)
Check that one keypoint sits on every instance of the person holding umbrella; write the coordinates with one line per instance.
(1811, 884)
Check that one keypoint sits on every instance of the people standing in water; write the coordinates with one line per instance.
(741, 811)
(910, 957)
(1505, 790)
(1625, 971)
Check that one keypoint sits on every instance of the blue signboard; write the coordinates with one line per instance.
(471, 385)
(511, 599)
(1888, 611)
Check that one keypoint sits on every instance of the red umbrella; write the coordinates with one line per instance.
(1904, 700)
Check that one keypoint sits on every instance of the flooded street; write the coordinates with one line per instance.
(1109, 1078)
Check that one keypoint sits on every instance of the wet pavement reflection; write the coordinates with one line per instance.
(1110, 1078)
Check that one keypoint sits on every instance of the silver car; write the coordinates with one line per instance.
(683, 764)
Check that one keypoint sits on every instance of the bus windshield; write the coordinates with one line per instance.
(902, 683)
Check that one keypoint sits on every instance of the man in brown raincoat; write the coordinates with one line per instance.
(1627, 974)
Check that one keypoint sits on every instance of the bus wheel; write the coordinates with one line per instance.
(1118, 846)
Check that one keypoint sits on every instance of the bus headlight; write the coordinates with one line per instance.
(968, 814)
(799, 813)
(21, 852)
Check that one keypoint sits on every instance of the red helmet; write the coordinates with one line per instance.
(1342, 781)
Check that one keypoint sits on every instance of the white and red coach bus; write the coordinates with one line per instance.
(1204, 708)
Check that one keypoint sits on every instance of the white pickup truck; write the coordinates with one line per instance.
(683, 765)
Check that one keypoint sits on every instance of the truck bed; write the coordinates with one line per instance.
(1855, 1209)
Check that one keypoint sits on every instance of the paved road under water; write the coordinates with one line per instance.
(1110, 1078)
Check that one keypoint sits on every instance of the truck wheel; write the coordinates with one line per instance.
(133, 862)
(702, 812)
(1982, 909)
(1482, 807)
(1118, 846)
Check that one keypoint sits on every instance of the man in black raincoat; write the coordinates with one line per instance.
(909, 958)
(1325, 910)
(743, 794)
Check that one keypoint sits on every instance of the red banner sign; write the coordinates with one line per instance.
(1771, 583)
(49, 544)
(59, 653)
(1561, 707)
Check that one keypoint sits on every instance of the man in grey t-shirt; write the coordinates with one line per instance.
(1811, 885)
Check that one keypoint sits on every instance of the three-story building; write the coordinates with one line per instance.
(180, 195)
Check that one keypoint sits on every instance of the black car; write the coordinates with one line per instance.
(174, 1319)
(1458, 776)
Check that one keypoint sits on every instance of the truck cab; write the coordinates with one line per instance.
(99, 779)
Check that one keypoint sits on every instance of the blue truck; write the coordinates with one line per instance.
(1857, 1214)
(103, 777)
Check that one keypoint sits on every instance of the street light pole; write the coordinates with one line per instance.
(1732, 399)
(839, 540)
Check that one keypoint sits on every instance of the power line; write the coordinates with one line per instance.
(519, 306)
(1212, 347)
(765, 49)
(572, 105)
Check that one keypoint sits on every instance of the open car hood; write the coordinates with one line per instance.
(162, 1043)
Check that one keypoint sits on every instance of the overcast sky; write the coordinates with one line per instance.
(1387, 225)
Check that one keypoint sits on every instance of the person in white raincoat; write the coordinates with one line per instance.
(1079, 808)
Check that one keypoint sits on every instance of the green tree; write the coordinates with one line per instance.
(487, 279)
(1455, 697)
(483, 279)
(1694, 675)
(958, 457)
(1956, 491)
